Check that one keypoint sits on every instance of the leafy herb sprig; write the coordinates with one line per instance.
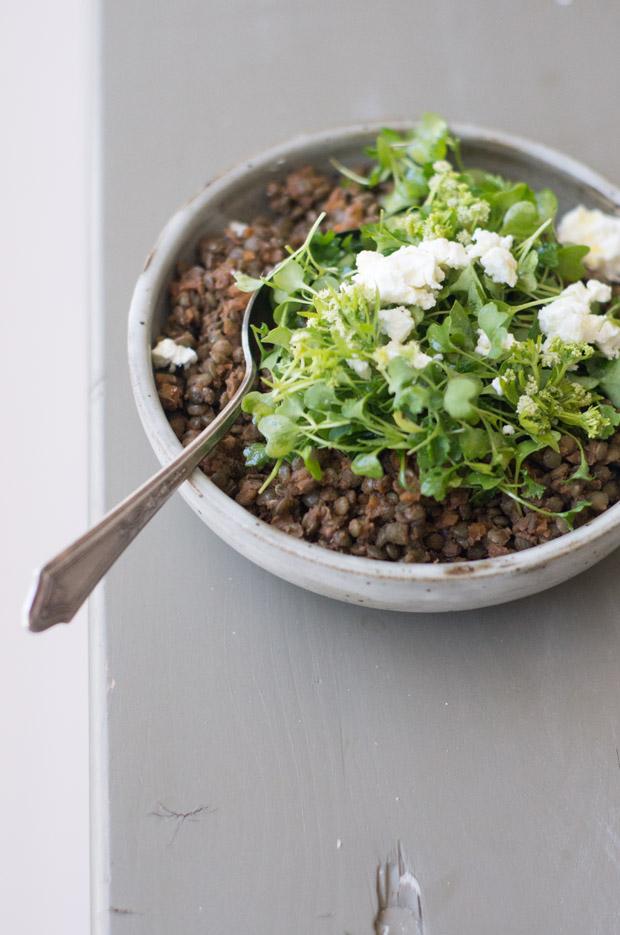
(467, 419)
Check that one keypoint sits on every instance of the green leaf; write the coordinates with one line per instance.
(570, 262)
(461, 331)
(609, 380)
(438, 336)
(281, 435)
(367, 465)
(415, 399)
(290, 277)
(530, 487)
(459, 396)
(246, 283)
(319, 396)
(257, 404)
(493, 323)
(430, 140)
(255, 455)
(547, 204)
(475, 443)
(521, 220)
(436, 481)
(281, 336)
(311, 463)
(548, 255)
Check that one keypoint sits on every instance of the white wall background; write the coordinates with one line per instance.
(46, 104)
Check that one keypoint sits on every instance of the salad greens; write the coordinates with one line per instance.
(474, 387)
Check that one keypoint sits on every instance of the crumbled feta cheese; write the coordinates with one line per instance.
(238, 228)
(411, 275)
(497, 386)
(410, 352)
(361, 367)
(483, 347)
(598, 231)
(508, 429)
(569, 318)
(167, 353)
(608, 339)
(493, 254)
(397, 323)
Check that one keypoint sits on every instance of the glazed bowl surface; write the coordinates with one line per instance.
(238, 195)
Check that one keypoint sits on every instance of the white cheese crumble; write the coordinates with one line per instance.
(493, 254)
(361, 367)
(410, 352)
(598, 231)
(483, 347)
(508, 429)
(167, 353)
(411, 275)
(239, 228)
(497, 386)
(397, 323)
(569, 318)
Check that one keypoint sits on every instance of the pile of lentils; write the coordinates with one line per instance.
(373, 518)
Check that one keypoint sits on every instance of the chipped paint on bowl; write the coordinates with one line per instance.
(238, 194)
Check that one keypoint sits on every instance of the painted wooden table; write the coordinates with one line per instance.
(258, 750)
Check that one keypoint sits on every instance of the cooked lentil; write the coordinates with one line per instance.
(344, 512)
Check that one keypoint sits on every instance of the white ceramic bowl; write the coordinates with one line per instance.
(238, 194)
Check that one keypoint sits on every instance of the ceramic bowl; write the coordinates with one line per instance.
(238, 194)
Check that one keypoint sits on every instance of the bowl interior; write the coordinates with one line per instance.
(239, 195)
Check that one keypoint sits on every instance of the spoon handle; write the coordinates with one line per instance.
(64, 583)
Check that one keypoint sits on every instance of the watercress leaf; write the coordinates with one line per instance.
(461, 331)
(281, 434)
(547, 204)
(569, 515)
(319, 396)
(475, 443)
(459, 396)
(430, 140)
(292, 406)
(438, 336)
(367, 465)
(484, 481)
(269, 361)
(246, 283)
(521, 220)
(353, 409)
(414, 399)
(280, 336)
(468, 281)
(400, 373)
(257, 404)
(290, 277)
(570, 262)
(548, 255)
(609, 380)
(255, 455)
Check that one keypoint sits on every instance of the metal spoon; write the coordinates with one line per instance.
(64, 583)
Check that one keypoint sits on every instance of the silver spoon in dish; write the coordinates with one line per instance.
(64, 583)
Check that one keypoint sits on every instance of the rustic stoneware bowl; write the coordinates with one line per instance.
(238, 194)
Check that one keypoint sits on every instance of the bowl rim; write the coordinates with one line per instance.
(155, 275)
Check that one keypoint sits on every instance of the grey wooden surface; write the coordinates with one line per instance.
(306, 736)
